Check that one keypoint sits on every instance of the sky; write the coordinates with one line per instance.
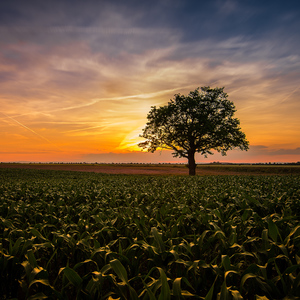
(77, 78)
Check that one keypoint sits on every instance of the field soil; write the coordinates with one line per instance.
(164, 169)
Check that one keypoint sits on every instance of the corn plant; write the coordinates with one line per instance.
(72, 235)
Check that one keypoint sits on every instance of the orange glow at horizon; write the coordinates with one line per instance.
(78, 79)
(112, 125)
(59, 121)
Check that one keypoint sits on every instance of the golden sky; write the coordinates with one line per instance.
(77, 80)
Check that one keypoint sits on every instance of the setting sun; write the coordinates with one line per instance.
(78, 80)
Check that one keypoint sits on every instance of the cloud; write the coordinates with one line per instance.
(96, 68)
(295, 151)
(255, 154)
(266, 150)
(137, 157)
(6, 76)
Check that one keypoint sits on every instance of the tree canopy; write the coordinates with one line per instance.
(200, 122)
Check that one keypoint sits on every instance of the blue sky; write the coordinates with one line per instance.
(77, 78)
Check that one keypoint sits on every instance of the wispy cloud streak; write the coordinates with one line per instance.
(84, 75)
(31, 130)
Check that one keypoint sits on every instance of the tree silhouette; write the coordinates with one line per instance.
(200, 122)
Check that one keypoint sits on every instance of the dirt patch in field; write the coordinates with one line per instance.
(108, 169)
(129, 169)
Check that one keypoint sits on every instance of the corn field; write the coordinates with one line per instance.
(73, 235)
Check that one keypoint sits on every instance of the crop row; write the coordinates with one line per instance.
(68, 235)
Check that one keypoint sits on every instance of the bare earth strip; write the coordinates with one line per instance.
(144, 169)
(103, 168)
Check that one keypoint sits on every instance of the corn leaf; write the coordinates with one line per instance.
(72, 276)
(165, 293)
(38, 296)
(158, 239)
(31, 258)
(119, 270)
(209, 295)
(272, 230)
(177, 287)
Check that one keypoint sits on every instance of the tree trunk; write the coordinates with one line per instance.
(192, 163)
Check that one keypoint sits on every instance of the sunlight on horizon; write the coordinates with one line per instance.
(131, 141)
(78, 80)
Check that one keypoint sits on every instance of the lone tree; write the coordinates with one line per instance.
(200, 122)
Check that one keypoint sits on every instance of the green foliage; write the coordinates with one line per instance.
(68, 235)
(200, 122)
